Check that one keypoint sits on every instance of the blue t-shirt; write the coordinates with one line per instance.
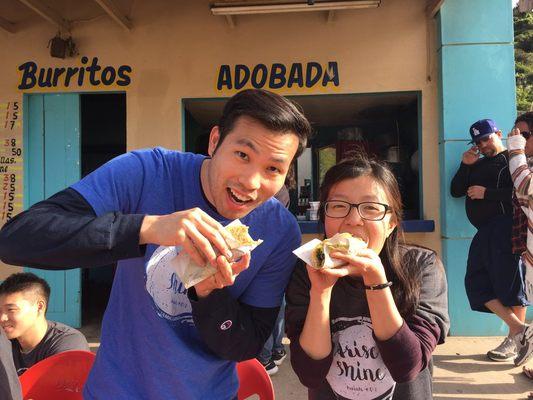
(150, 348)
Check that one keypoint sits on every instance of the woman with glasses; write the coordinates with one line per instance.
(367, 329)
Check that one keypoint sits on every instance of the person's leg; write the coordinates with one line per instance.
(278, 350)
(505, 273)
(266, 353)
(478, 286)
(520, 313)
(506, 350)
(507, 315)
(279, 329)
(524, 345)
(265, 357)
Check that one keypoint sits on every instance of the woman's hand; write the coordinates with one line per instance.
(515, 141)
(514, 132)
(320, 281)
(365, 264)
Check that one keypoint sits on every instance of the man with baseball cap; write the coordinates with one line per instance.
(493, 275)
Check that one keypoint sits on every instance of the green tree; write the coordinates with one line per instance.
(523, 44)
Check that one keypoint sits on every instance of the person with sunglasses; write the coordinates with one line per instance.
(492, 273)
(521, 148)
(367, 328)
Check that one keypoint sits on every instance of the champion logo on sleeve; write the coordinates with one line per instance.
(226, 325)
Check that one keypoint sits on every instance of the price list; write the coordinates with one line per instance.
(10, 160)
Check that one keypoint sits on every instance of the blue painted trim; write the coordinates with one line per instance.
(25, 141)
(421, 212)
(418, 225)
(183, 144)
(469, 31)
(476, 21)
(310, 227)
(409, 226)
(52, 162)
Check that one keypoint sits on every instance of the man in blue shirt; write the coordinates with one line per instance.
(159, 340)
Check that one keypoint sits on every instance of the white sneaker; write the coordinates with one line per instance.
(524, 345)
(270, 367)
(506, 351)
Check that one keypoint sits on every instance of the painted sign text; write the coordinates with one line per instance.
(93, 74)
(277, 76)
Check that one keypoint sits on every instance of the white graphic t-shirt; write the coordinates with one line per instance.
(166, 289)
(357, 370)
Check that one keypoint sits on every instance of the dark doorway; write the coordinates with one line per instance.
(386, 126)
(103, 127)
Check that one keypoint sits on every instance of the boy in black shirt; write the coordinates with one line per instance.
(23, 303)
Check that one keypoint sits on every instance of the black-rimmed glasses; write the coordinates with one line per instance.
(369, 210)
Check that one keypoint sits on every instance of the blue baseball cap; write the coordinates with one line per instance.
(482, 128)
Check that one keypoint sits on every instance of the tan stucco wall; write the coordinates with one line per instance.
(176, 48)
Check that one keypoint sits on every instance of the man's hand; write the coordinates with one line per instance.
(471, 156)
(225, 276)
(476, 192)
(201, 236)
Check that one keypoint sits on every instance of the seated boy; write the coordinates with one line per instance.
(23, 303)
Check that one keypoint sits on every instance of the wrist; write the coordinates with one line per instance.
(380, 286)
(202, 293)
(321, 294)
(203, 289)
(374, 278)
(144, 233)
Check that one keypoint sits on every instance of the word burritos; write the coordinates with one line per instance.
(92, 74)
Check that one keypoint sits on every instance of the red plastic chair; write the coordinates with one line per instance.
(253, 379)
(59, 377)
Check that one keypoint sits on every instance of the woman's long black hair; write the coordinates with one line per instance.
(404, 276)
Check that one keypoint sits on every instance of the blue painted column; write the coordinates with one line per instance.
(476, 57)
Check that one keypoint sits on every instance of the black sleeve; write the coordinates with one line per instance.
(460, 182)
(503, 194)
(64, 232)
(9, 380)
(231, 329)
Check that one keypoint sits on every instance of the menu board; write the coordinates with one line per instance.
(11, 161)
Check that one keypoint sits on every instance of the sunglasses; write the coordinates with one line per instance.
(526, 134)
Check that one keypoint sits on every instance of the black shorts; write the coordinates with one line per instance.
(492, 270)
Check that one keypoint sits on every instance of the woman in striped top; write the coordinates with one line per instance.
(520, 146)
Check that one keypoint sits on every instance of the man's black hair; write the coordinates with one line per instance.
(526, 117)
(273, 111)
(25, 281)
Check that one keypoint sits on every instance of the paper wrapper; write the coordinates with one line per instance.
(341, 242)
(191, 273)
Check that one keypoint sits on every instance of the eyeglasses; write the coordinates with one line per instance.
(369, 210)
(526, 134)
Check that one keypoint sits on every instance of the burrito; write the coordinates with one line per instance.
(341, 242)
(240, 237)
(239, 243)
